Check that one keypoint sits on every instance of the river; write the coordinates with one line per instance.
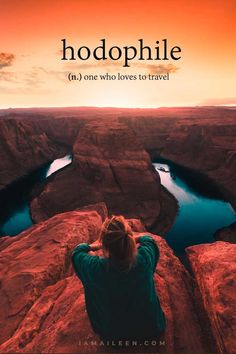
(15, 216)
(201, 209)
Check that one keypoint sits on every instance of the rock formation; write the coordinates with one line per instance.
(214, 268)
(202, 139)
(199, 138)
(207, 149)
(37, 260)
(27, 144)
(111, 166)
(42, 301)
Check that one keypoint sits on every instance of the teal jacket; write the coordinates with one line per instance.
(121, 304)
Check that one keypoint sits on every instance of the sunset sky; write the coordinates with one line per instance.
(33, 75)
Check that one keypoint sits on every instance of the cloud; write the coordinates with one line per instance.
(93, 65)
(7, 76)
(118, 65)
(34, 77)
(219, 101)
(161, 69)
(59, 75)
(6, 59)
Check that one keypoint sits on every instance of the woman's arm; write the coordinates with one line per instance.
(81, 260)
(148, 249)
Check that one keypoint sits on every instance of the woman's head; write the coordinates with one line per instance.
(118, 241)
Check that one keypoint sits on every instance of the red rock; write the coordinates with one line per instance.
(56, 323)
(199, 138)
(214, 268)
(109, 165)
(42, 303)
(209, 149)
(175, 287)
(202, 139)
(38, 258)
(27, 144)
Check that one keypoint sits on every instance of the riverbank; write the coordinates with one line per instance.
(15, 199)
(202, 208)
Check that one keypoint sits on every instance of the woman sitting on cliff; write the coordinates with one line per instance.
(119, 289)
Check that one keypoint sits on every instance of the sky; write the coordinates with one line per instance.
(32, 73)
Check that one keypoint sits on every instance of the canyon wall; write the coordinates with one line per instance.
(109, 165)
(27, 144)
(202, 139)
(198, 138)
(206, 148)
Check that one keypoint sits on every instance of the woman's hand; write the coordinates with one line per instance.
(137, 235)
(95, 246)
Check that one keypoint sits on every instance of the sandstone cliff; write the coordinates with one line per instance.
(214, 267)
(27, 144)
(202, 139)
(199, 138)
(111, 166)
(210, 149)
(42, 301)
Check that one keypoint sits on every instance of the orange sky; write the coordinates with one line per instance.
(32, 74)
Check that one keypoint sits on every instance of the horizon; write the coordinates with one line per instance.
(121, 107)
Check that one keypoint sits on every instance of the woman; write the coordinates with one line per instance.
(119, 289)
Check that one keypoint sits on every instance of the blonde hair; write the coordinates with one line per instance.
(117, 239)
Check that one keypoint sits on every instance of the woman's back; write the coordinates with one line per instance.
(121, 303)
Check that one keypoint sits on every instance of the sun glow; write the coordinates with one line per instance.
(33, 74)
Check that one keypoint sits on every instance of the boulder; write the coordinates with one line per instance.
(37, 258)
(214, 268)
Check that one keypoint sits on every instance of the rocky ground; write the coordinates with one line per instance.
(42, 301)
(214, 269)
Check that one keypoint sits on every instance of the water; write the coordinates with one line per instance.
(15, 212)
(202, 210)
(58, 164)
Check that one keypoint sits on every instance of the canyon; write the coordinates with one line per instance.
(109, 165)
(42, 301)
